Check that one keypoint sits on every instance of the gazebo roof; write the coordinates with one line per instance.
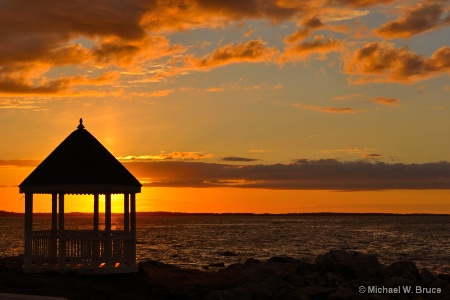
(80, 165)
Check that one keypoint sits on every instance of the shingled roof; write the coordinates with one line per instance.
(80, 165)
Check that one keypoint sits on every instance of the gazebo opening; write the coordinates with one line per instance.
(81, 165)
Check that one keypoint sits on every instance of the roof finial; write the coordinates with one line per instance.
(81, 124)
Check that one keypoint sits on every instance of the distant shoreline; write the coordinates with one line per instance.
(185, 214)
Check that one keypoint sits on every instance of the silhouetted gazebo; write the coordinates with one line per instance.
(81, 165)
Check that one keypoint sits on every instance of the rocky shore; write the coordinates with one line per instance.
(336, 274)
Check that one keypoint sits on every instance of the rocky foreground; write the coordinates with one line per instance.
(335, 275)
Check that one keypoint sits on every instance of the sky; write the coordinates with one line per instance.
(265, 106)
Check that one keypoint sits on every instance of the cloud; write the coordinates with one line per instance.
(27, 103)
(215, 89)
(418, 19)
(176, 155)
(309, 26)
(19, 163)
(251, 51)
(304, 50)
(346, 97)
(382, 62)
(189, 14)
(259, 151)
(332, 110)
(325, 174)
(349, 150)
(385, 101)
(362, 3)
(372, 156)
(238, 159)
(24, 84)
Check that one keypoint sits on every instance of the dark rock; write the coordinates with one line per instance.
(344, 293)
(350, 264)
(217, 265)
(230, 294)
(333, 280)
(282, 259)
(445, 277)
(438, 283)
(268, 287)
(318, 291)
(397, 281)
(404, 268)
(295, 280)
(426, 276)
(252, 261)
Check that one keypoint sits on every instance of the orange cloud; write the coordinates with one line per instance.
(215, 89)
(332, 110)
(189, 14)
(176, 155)
(126, 53)
(346, 97)
(362, 3)
(385, 101)
(420, 18)
(19, 163)
(304, 50)
(309, 25)
(251, 51)
(23, 85)
(382, 62)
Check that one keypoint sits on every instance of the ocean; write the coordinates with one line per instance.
(201, 241)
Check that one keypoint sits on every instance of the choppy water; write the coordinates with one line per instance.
(197, 241)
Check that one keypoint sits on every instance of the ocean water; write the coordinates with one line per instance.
(199, 241)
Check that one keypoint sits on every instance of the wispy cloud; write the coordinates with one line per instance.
(259, 151)
(238, 159)
(19, 163)
(176, 155)
(215, 89)
(327, 109)
(346, 97)
(385, 101)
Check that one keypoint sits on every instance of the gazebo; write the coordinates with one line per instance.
(81, 165)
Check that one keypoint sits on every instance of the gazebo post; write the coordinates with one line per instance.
(96, 212)
(108, 228)
(126, 211)
(54, 241)
(62, 240)
(28, 231)
(133, 224)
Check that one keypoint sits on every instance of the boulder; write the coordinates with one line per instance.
(426, 277)
(349, 264)
(268, 287)
(239, 293)
(344, 293)
(282, 259)
(404, 268)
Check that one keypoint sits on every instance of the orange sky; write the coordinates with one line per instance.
(256, 106)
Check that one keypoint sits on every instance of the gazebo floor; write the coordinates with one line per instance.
(80, 268)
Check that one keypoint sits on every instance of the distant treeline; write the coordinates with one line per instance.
(182, 214)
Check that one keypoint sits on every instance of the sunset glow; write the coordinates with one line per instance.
(235, 106)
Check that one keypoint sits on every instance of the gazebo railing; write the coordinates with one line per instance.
(85, 246)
